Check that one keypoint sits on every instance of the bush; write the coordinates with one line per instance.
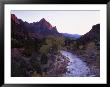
(55, 42)
(16, 44)
(44, 49)
(28, 52)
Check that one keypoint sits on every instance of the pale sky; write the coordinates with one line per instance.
(73, 22)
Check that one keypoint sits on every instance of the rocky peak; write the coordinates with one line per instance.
(43, 20)
(14, 18)
(40, 28)
(45, 24)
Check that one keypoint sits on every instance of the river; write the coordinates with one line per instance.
(76, 67)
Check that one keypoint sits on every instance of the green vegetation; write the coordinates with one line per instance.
(38, 52)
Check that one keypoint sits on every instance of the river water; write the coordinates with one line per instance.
(76, 67)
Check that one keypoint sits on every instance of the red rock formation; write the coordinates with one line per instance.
(14, 18)
(43, 22)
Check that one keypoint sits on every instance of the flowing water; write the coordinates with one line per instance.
(76, 67)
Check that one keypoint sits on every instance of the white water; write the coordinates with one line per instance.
(76, 67)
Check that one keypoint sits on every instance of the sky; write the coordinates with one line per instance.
(72, 22)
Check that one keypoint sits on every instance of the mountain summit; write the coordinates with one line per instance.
(42, 28)
(46, 24)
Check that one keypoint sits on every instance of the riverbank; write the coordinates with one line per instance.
(59, 66)
(63, 64)
(92, 60)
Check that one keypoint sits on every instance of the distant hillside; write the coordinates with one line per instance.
(92, 35)
(73, 36)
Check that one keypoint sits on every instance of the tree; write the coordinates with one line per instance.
(55, 43)
(44, 59)
(44, 49)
